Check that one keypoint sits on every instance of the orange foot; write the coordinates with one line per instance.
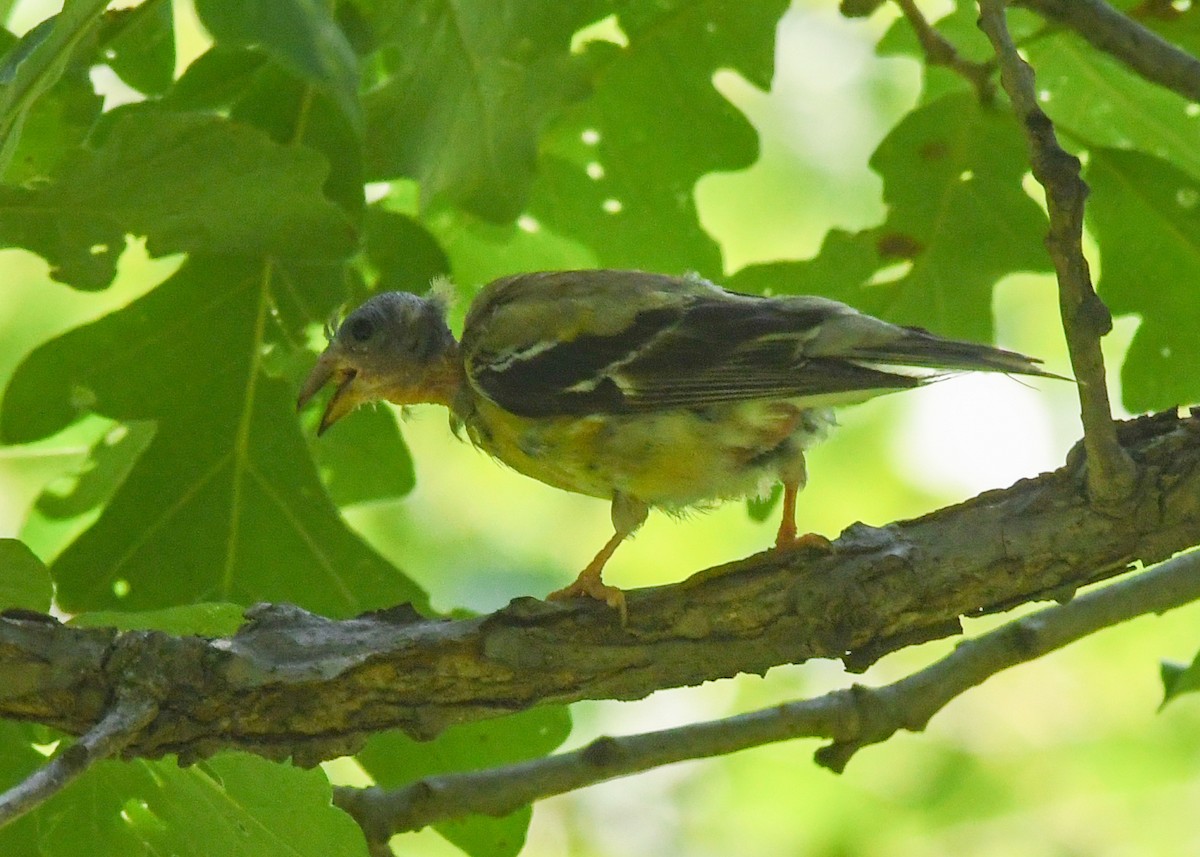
(591, 586)
(809, 543)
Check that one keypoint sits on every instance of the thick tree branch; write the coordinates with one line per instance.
(107, 738)
(1142, 50)
(293, 684)
(1085, 317)
(854, 717)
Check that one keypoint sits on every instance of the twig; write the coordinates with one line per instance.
(107, 738)
(939, 51)
(854, 717)
(1086, 319)
(1142, 50)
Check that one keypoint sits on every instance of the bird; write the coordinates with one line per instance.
(646, 390)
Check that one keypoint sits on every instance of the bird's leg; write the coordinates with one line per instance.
(627, 515)
(787, 538)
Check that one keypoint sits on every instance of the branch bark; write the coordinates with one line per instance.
(1085, 317)
(293, 684)
(855, 717)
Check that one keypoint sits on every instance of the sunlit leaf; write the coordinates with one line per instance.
(620, 166)
(1096, 101)
(1146, 215)
(205, 620)
(217, 807)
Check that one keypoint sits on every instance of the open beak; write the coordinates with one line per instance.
(332, 366)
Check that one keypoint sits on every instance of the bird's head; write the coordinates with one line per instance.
(397, 347)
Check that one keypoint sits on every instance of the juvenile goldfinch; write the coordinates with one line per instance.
(642, 389)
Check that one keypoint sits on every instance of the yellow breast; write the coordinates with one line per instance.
(671, 459)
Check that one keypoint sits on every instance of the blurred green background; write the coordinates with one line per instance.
(1066, 756)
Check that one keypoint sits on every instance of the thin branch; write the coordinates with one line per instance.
(1142, 50)
(1111, 473)
(107, 738)
(939, 51)
(854, 718)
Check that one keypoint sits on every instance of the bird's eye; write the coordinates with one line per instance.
(361, 329)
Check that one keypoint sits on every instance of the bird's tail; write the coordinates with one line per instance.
(921, 349)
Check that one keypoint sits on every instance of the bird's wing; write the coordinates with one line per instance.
(573, 343)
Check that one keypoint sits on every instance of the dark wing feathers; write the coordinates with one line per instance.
(701, 351)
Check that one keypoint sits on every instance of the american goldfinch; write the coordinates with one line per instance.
(642, 389)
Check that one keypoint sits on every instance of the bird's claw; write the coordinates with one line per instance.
(809, 543)
(589, 586)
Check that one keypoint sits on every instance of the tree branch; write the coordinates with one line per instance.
(1142, 50)
(939, 51)
(1085, 318)
(107, 738)
(293, 684)
(854, 718)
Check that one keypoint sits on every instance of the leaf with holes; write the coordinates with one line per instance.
(1092, 97)
(620, 167)
(224, 504)
(222, 806)
(958, 220)
(1146, 216)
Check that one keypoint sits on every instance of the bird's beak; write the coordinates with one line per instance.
(332, 366)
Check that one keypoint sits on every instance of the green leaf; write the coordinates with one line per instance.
(1179, 679)
(394, 760)
(952, 173)
(958, 220)
(364, 460)
(140, 45)
(35, 64)
(401, 254)
(292, 113)
(56, 122)
(224, 504)
(24, 580)
(840, 270)
(244, 195)
(300, 35)
(760, 508)
(17, 761)
(1097, 101)
(1146, 217)
(469, 88)
(216, 79)
(203, 620)
(620, 167)
(234, 805)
